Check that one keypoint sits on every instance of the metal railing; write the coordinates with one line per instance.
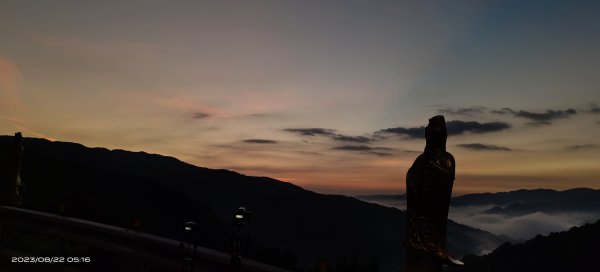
(158, 252)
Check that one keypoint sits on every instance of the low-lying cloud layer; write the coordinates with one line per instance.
(520, 227)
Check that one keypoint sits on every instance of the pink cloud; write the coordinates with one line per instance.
(11, 106)
(10, 79)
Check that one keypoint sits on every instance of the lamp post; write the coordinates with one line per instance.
(191, 232)
(11, 185)
(240, 216)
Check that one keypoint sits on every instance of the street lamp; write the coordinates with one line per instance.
(240, 216)
(191, 227)
(191, 230)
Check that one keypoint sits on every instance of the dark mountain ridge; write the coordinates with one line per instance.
(581, 199)
(118, 187)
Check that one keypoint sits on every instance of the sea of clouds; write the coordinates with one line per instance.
(518, 227)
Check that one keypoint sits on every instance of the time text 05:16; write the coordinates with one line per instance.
(51, 259)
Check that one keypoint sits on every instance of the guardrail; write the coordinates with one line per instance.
(156, 251)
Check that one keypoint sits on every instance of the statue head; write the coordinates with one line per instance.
(435, 134)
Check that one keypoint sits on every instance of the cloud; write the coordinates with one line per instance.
(20, 125)
(459, 127)
(455, 127)
(256, 116)
(312, 131)
(354, 147)
(11, 120)
(409, 132)
(356, 139)
(379, 151)
(522, 227)
(543, 118)
(519, 227)
(11, 106)
(200, 115)
(581, 147)
(593, 108)
(463, 111)
(260, 141)
(10, 78)
(484, 147)
(329, 133)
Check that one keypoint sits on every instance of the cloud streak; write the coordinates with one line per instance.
(200, 115)
(260, 141)
(355, 139)
(593, 108)
(10, 79)
(329, 133)
(379, 151)
(455, 127)
(581, 147)
(484, 147)
(463, 111)
(460, 127)
(311, 131)
(538, 118)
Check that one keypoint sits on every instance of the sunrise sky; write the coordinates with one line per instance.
(328, 95)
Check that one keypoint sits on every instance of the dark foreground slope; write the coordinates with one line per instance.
(572, 250)
(161, 193)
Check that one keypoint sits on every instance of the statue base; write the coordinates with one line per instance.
(420, 261)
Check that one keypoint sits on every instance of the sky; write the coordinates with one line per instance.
(328, 95)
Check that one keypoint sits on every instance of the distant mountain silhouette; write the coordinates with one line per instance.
(513, 209)
(538, 200)
(573, 250)
(291, 227)
(396, 201)
(515, 202)
(495, 210)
